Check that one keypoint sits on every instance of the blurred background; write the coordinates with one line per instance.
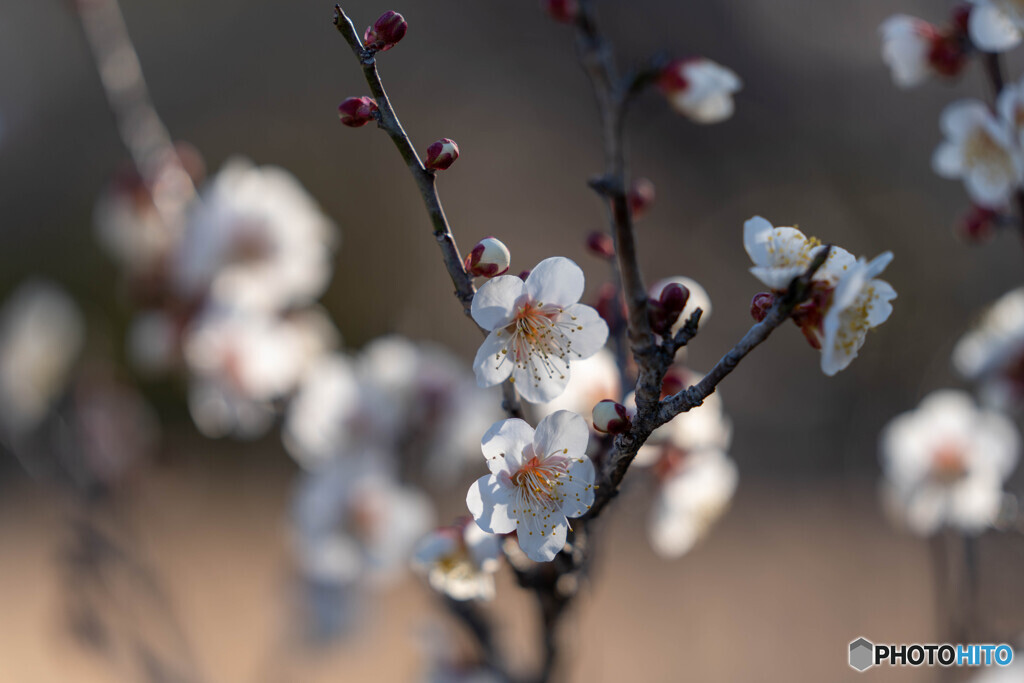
(802, 564)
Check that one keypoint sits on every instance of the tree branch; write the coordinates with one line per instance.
(994, 71)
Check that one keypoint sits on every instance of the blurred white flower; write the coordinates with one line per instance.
(537, 481)
(460, 561)
(945, 463)
(130, 228)
(979, 149)
(593, 379)
(240, 362)
(537, 328)
(700, 89)
(1013, 673)
(993, 352)
(782, 254)
(860, 302)
(256, 240)
(693, 494)
(41, 335)
(996, 25)
(154, 340)
(906, 44)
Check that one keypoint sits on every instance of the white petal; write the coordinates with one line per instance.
(756, 232)
(880, 309)
(587, 330)
(493, 363)
(542, 380)
(555, 280)
(577, 488)
(494, 303)
(947, 161)
(561, 433)
(988, 189)
(488, 501)
(541, 539)
(992, 30)
(504, 443)
(960, 117)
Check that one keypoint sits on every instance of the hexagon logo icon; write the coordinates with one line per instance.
(862, 654)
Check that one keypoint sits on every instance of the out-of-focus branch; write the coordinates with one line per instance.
(425, 181)
(997, 80)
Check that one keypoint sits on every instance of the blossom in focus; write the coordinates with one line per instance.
(241, 362)
(441, 155)
(460, 561)
(692, 495)
(945, 464)
(980, 150)
(256, 240)
(539, 479)
(782, 254)
(996, 25)
(41, 336)
(915, 50)
(700, 89)
(860, 303)
(537, 328)
(993, 351)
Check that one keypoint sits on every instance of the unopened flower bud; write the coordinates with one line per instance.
(641, 196)
(760, 304)
(357, 111)
(490, 257)
(600, 244)
(978, 226)
(565, 11)
(664, 311)
(611, 417)
(699, 89)
(386, 31)
(441, 154)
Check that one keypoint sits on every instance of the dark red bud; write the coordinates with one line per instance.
(672, 79)
(664, 312)
(386, 31)
(600, 244)
(565, 11)
(523, 275)
(357, 111)
(947, 55)
(611, 417)
(441, 154)
(978, 226)
(641, 196)
(760, 304)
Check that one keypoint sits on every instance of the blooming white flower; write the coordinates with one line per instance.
(979, 149)
(698, 299)
(537, 481)
(782, 254)
(691, 497)
(996, 25)
(460, 561)
(945, 463)
(256, 240)
(154, 340)
(536, 329)
(993, 352)
(906, 44)
(1010, 106)
(860, 302)
(700, 89)
(241, 361)
(41, 336)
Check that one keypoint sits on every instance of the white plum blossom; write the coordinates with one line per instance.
(700, 89)
(979, 149)
(242, 361)
(996, 25)
(691, 497)
(945, 464)
(1010, 106)
(860, 303)
(460, 561)
(782, 254)
(993, 352)
(539, 479)
(537, 328)
(906, 44)
(41, 336)
(329, 413)
(256, 240)
(154, 340)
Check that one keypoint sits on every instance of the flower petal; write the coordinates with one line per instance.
(562, 433)
(503, 444)
(991, 30)
(540, 380)
(492, 364)
(585, 328)
(555, 280)
(756, 232)
(494, 303)
(577, 487)
(541, 536)
(488, 501)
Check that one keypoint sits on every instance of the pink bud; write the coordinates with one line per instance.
(760, 304)
(600, 244)
(641, 196)
(673, 79)
(664, 311)
(565, 11)
(441, 154)
(978, 226)
(357, 111)
(611, 417)
(386, 31)
(488, 258)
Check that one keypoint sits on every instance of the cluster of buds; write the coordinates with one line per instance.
(915, 49)
(489, 258)
(664, 311)
(611, 417)
(441, 154)
(385, 32)
(564, 11)
(357, 111)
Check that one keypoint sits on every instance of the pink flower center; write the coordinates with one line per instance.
(948, 465)
(538, 481)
